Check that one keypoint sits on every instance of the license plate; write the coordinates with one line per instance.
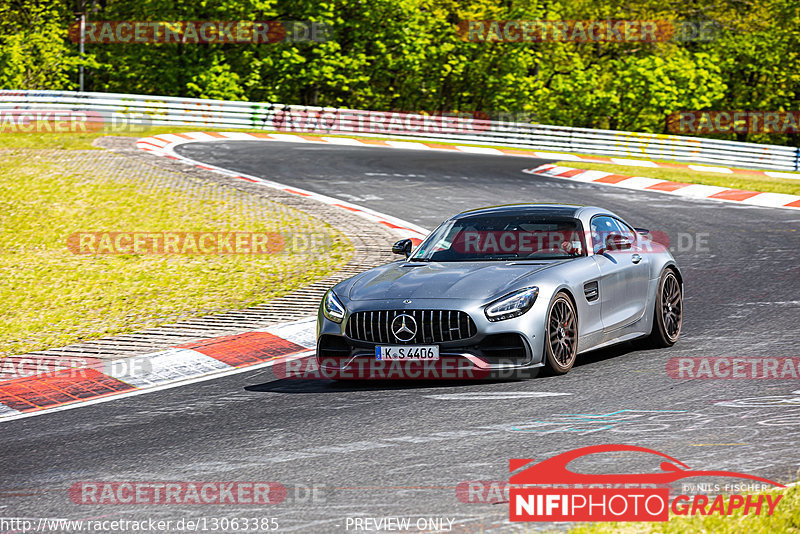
(407, 352)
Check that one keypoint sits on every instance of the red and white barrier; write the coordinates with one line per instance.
(179, 365)
(711, 192)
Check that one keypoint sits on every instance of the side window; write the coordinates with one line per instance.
(602, 227)
(626, 230)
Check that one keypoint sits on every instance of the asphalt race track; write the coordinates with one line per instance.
(400, 449)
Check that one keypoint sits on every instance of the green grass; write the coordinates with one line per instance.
(734, 181)
(78, 141)
(50, 297)
(786, 519)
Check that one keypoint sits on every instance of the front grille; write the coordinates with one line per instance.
(433, 326)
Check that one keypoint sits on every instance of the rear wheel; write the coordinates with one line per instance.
(668, 313)
(561, 343)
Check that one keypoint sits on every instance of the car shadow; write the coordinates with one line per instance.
(607, 353)
(320, 385)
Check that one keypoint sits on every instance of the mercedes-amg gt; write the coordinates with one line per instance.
(501, 289)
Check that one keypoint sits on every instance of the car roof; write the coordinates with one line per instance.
(539, 210)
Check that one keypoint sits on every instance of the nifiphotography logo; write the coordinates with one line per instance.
(620, 496)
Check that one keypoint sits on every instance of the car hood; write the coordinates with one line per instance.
(453, 280)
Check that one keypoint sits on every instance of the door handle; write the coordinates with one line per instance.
(636, 258)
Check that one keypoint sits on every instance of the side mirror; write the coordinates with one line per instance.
(618, 242)
(642, 231)
(403, 246)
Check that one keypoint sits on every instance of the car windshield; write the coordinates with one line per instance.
(493, 237)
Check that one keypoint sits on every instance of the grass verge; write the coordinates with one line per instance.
(51, 297)
(79, 140)
(786, 519)
(765, 184)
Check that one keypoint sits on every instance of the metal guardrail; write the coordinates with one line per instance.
(122, 109)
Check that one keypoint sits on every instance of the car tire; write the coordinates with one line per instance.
(667, 311)
(561, 335)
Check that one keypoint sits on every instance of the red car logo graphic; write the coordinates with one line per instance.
(554, 470)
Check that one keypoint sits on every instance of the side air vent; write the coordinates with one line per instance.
(590, 291)
(333, 347)
(504, 348)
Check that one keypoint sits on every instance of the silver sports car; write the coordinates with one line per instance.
(498, 290)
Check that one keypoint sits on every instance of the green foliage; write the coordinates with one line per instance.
(407, 55)
(34, 52)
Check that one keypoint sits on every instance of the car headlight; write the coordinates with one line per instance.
(332, 308)
(512, 305)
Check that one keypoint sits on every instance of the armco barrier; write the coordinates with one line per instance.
(118, 108)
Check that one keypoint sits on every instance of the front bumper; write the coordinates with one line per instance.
(500, 349)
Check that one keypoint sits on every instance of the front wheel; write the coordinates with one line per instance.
(561, 342)
(668, 314)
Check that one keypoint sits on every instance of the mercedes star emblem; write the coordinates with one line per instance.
(404, 327)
